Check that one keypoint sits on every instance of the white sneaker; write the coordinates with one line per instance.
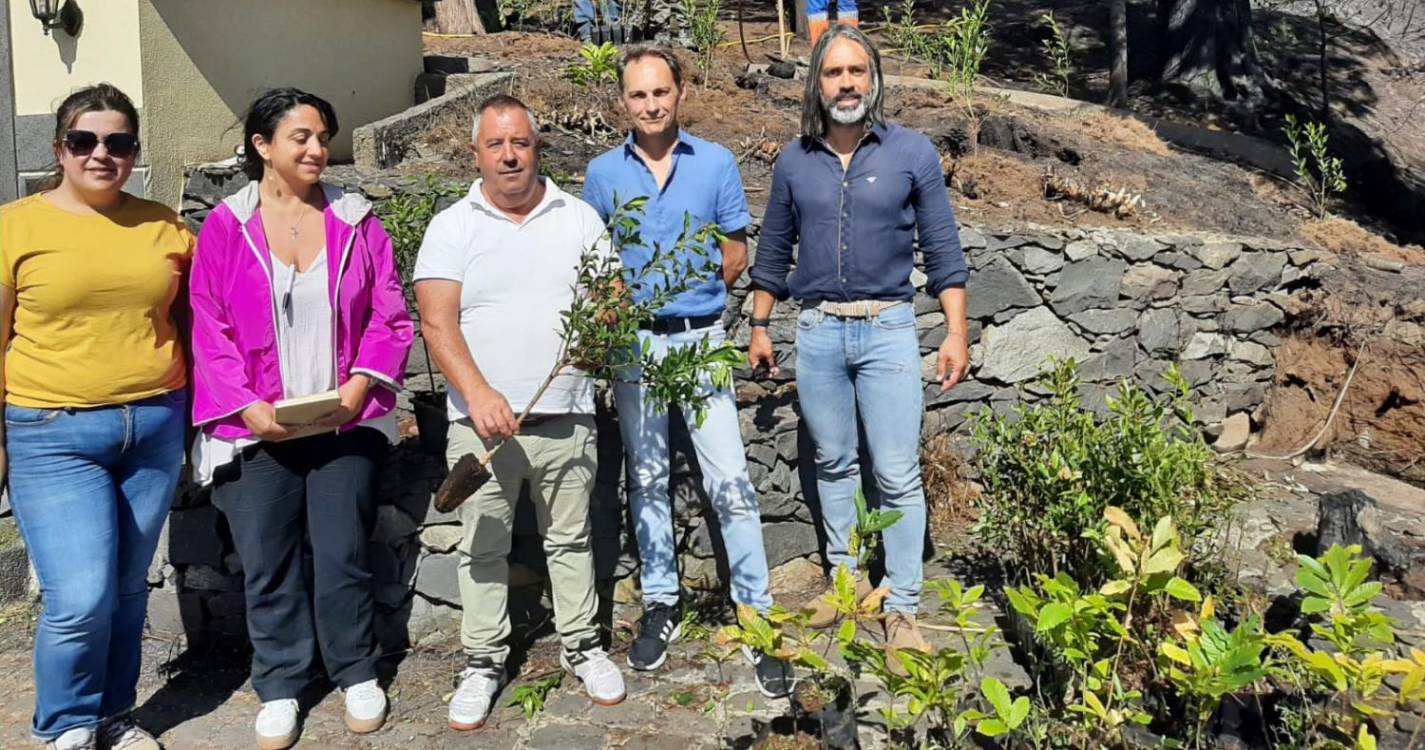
(602, 680)
(470, 705)
(365, 707)
(121, 733)
(81, 738)
(277, 725)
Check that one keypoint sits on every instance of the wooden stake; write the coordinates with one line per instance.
(781, 29)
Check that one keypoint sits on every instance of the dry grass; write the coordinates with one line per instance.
(1119, 131)
(1346, 237)
(949, 496)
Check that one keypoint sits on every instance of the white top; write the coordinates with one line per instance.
(516, 280)
(305, 354)
(304, 327)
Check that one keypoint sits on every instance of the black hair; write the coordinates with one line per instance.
(267, 111)
(102, 97)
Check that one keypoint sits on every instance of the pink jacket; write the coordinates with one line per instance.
(235, 360)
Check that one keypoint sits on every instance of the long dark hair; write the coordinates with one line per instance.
(267, 111)
(813, 112)
(101, 97)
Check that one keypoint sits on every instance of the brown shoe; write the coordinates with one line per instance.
(902, 632)
(823, 615)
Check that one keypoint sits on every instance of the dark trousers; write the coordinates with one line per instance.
(307, 501)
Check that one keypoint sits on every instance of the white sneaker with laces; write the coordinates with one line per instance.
(121, 733)
(365, 707)
(276, 726)
(602, 680)
(470, 705)
(81, 738)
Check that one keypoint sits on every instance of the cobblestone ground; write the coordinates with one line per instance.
(203, 701)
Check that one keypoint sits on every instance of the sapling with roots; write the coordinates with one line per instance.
(599, 334)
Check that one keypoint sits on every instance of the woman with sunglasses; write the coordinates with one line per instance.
(295, 294)
(95, 391)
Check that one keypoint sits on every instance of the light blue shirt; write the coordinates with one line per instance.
(703, 183)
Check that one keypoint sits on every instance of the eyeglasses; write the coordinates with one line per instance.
(118, 145)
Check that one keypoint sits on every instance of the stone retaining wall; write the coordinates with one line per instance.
(1125, 305)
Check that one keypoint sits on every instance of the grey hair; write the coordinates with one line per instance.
(813, 112)
(639, 51)
(502, 101)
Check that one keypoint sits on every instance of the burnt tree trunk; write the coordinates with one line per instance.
(1118, 53)
(458, 17)
(1207, 47)
(1323, 60)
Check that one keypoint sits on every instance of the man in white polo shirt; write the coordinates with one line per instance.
(493, 275)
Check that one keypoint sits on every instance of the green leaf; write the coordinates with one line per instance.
(997, 694)
(1313, 605)
(1163, 532)
(1018, 712)
(846, 634)
(1176, 653)
(1163, 561)
(1115, 587)
(1182, 590)
(992, 728)
(1021, 604)
(1363, 595)
(812, 660)
(1052, 616)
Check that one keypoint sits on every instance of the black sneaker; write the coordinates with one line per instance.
(775, 677)
(660, 626)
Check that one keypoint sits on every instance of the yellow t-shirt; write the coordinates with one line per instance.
(94, 297)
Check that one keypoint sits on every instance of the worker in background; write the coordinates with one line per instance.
(819, 16)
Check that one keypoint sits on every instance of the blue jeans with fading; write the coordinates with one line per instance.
(868, 367)
(91, 489)
(723, 461)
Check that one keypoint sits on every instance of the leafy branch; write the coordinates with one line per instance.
(599, 333)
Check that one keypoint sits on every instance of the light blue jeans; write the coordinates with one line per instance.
(91, 489)
(870, 367)
(585, 12)
(718, 443)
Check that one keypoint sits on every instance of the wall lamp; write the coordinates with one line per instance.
(58, 14)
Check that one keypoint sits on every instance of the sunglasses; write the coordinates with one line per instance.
(118, 145)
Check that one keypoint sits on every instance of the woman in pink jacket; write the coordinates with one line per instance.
(294, 293)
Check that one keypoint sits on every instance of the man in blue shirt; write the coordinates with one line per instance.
(857, 193)
(682, 176)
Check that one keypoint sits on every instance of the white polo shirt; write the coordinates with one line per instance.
(516, 280)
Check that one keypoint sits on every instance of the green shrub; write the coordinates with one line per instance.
(1319, 173)
(1051, 468)
(596, 67)
(406, 216)
(704, 31)
(1057, 49)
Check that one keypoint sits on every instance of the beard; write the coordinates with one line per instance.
(841, 116)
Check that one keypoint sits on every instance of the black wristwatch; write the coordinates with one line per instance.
(759, 322)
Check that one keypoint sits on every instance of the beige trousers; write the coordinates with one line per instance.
(557, 458)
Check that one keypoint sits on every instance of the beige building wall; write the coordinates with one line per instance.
(203, 61)
(48, 68)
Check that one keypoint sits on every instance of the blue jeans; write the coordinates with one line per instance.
(585, 12)
(870, 367)
(718, 443)
(91, 489)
